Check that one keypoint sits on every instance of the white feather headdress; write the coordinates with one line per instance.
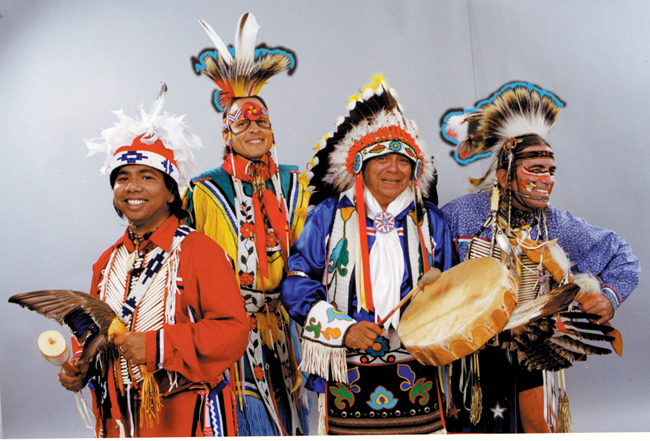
(156, 139)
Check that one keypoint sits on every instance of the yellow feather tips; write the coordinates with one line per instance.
(303, 179)
(322, 142)
(378, 78)
(267, 324)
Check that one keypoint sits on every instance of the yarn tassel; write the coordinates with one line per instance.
(563, 410)
(449, 404)
(254, 420)
(322, 414)
(476, 408)
(151, 405)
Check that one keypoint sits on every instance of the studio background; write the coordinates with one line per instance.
(65, 65)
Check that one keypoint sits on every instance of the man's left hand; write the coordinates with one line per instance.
(132, 346)
(599, 304)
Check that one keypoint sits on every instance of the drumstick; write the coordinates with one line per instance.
(55, 350)
(427, 279)
(415, 290)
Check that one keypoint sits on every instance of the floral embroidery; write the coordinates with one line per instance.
(382, 399)
(335, 314)
(341, 394)
(404, 371)
(247, 230)
(246, 279)
(421, 389)
(353, 377)
(259, 372)
(314, 326)
(271, 239)
(331, 333)
(253, 321)
(339, 258)
(379, 347)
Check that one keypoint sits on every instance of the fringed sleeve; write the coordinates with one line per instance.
(323, 346)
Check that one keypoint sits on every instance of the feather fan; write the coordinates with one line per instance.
(546, 335)
(86, 317)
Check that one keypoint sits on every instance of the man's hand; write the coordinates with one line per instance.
(598, 304)
(76, 382)
(362, 335)
(132, 346)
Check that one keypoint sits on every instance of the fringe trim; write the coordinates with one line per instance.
(564, 416)
(318, 359)
(476, 407)
(322, 414)
(215, 223)
(270, 332)
(151, 405)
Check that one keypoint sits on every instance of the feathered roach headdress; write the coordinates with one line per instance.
(375, 126)
(243, 71)
(155, 139)
(518, 109)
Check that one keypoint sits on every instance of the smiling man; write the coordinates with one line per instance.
(512, 200)
(255, 209)
(173, 288)
(363, 249)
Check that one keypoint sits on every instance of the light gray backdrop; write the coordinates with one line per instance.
(65, 65)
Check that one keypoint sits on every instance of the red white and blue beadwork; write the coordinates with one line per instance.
(384, 222)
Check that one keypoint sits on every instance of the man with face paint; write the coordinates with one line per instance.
(255, 208)
(513, 198)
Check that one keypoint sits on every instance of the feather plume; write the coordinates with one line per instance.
(249, 70)
(222, 49)
(456, 128)
(517, 109)
(86, 317)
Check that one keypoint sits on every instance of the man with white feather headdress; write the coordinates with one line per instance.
(172, 288)
(363, 249)
(508, 216)
(254, 208)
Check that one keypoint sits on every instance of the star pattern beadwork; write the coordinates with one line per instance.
(384, 222)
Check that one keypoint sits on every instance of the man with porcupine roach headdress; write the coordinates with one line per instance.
(356, 265)
(170, 288)
(254, 208)
(509, 386)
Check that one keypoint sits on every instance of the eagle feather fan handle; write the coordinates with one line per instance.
(94, 325)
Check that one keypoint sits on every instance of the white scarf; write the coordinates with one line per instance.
(386, 259)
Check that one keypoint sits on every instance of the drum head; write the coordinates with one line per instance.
(458, 313)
